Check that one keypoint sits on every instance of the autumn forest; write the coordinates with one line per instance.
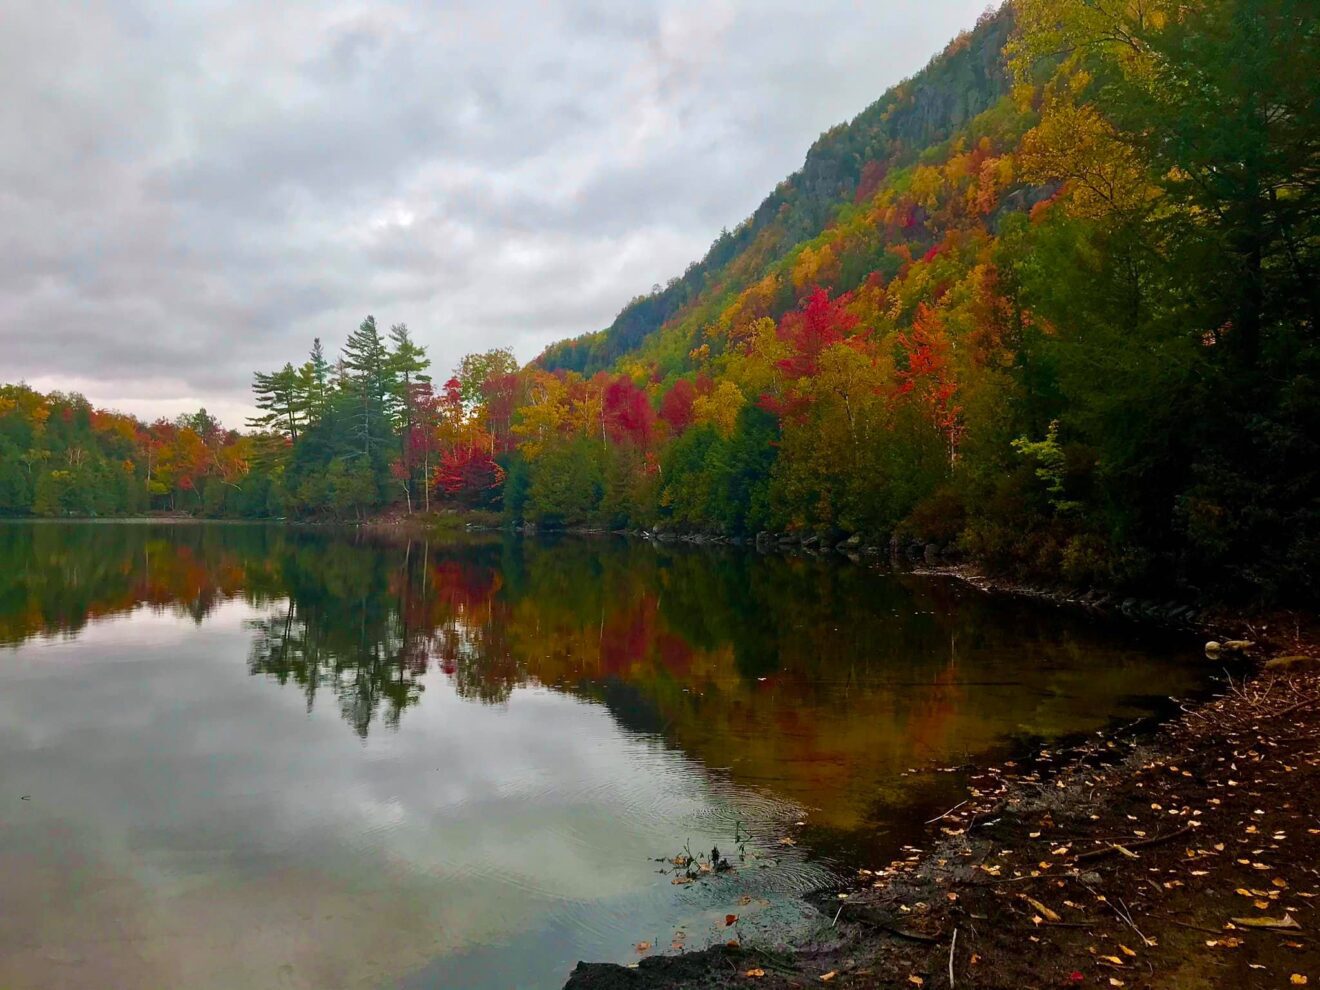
(1052, 301)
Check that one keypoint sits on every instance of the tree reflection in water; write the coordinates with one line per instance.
(819, 678)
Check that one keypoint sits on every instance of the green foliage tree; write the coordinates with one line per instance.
(567, 484)
(283, 399)
(475, 370)
(367, 381)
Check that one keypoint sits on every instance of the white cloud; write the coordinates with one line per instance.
(190, 192)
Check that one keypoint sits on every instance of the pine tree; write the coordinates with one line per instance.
(314, 383)
(406, 365)
(365, 375)
(280, 398)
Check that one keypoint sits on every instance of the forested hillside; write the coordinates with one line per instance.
(1053, 301)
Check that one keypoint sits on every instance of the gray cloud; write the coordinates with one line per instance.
(192, 191)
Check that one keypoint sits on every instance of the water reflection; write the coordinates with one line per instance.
(803, 674)
(494, 738)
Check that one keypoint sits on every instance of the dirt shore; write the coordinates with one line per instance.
(1187, 858)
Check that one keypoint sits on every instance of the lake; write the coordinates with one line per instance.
(254, 757)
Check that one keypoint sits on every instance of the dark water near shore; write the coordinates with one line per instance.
(252, 757)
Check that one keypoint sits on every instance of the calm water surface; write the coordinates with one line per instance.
(246, 757)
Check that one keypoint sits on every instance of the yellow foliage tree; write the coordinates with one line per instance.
(719, 408)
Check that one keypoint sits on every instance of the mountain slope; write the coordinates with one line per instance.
(843, 165)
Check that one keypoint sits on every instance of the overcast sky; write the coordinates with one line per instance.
(190, 191)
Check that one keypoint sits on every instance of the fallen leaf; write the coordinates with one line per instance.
(826, 977)
(1298, 980)
(679, 881)
(1045, 912)
(787, 841)
(1286, 921)
(729, 919)
(1125, 950)
(755, 974)
(916, 980)
(643, 946)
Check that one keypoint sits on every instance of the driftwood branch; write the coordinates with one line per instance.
(938, 818)
(1086, 857)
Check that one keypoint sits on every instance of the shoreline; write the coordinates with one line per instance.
(1125, 865)
(1122, 861)
(1187, 612)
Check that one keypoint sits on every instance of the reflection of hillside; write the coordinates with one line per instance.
(820, 680)
(810, 677)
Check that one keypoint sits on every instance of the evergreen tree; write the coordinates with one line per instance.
(283, 402)
(314, 383)
(367, 379)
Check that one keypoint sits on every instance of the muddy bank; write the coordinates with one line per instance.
(1189, 858)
